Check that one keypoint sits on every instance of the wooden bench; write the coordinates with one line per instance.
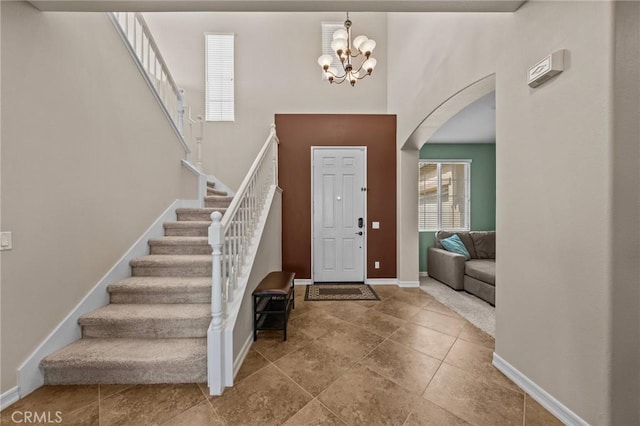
(273, 299)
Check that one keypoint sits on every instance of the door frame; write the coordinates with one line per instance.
(366, 222)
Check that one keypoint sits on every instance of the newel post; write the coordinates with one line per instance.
(215, 341)
(215, 240)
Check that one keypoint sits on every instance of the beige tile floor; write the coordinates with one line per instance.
(406, 360)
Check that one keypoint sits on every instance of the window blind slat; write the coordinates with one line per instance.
(328, 28)
(443, 196)
(219, 88)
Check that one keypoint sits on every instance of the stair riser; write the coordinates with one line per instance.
(148, 329)
(178, 372)
(217, 203)
(160, 298)
(187, 232)
(211, 191)
(191, 216)
(180, 249)
(172, 271)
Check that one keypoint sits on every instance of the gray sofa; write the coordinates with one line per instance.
(477, 275)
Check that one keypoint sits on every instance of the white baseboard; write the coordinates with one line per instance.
(554, 406)
(423, 274)
(298, 281)
(381, 281)
(237, 363)
(66, 332)
(9, 397)
(414, 284)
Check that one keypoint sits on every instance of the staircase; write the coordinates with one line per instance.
(155, 328)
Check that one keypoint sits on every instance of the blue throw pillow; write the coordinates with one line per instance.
(455, 245)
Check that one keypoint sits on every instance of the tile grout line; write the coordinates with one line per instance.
(206, 397)
(189, 408)
(438, 369)
(330, 410)
(314, 397)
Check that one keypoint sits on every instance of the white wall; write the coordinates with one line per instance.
(88, 163)
(556, 317)
(275, 72)
(554, 214)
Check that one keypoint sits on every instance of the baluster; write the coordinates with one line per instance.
(225, 257)
(234, 245)
(244, 216)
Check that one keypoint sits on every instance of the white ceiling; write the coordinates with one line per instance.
(476, 123)
(279, 6)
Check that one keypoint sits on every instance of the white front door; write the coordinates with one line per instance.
(338, 214)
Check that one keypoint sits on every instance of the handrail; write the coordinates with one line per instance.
(135, 32)
(234, 206)
(232, 241)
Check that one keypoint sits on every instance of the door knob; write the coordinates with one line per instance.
(359, 233)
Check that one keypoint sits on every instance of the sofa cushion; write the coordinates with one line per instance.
(455, 245)
(464, 236)
(481, 269)
(485, 244)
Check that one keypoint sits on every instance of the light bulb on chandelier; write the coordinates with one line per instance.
(346, 51)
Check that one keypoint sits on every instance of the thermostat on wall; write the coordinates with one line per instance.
(545, 69)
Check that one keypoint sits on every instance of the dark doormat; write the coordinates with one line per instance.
(319, 292)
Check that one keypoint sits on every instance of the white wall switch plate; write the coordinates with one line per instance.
(375, 225)
(5, 241)
(376, 265)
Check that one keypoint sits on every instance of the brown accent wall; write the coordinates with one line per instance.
(297, 134)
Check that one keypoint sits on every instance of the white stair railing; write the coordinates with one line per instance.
(134, 31)
(231, 237)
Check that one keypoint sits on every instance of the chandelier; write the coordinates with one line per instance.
(346, 51)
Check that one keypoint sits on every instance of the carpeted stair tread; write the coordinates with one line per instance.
(213, 191)
(217, 201)
(116, 312)
(161, 290)
(147, 321)
(179, 241)
(128, 361)
(187, 228)
(198, 214)
(180, 246)
(163, 260)
(211, 184)
(161, 265)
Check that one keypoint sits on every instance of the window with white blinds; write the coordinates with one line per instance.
(219, 90)
(328, 28)
(444, 195)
